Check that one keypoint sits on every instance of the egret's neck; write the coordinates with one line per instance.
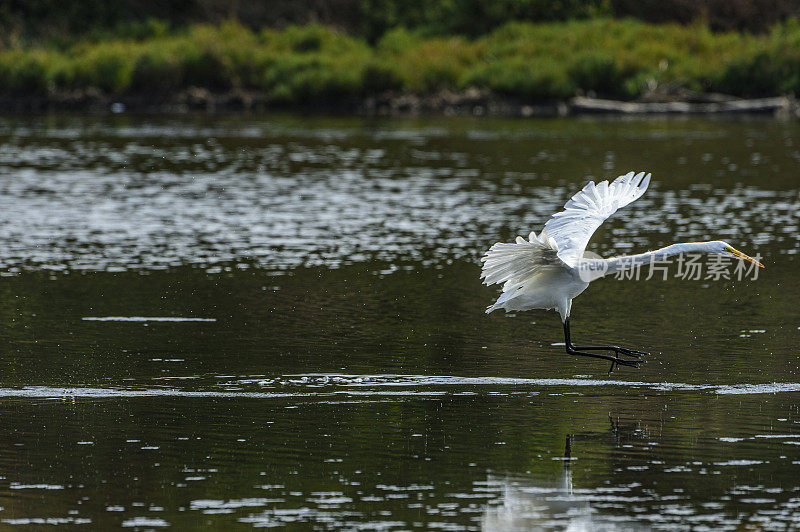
(615, 264)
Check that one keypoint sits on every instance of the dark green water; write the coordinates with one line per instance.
(346, 376)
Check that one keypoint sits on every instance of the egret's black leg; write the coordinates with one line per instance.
(618, 350)
(574, 350)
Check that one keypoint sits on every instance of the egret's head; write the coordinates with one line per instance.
(723, 248)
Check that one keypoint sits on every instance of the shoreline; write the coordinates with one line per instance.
(471, 102)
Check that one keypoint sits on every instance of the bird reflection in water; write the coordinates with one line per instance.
(525, 504)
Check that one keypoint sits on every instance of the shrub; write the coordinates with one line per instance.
(108, 67)
(313, 64)
(762, 74)
(159, 69)
(598, 72)
(434, 64)
(379, 76)
(24, 72)
(543, 79)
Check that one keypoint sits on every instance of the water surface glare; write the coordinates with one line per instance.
(235, 322)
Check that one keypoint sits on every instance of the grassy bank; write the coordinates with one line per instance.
(317, 65)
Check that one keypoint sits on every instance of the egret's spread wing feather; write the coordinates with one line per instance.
(517, 265)
(588, 209)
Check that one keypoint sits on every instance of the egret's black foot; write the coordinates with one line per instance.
(631, 352)
(614, 360)
(618, 350)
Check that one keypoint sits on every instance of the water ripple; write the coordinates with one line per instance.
(365, 386)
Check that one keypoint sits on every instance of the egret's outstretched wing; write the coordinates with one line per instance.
(572, 228)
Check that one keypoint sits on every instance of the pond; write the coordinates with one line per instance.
(277, 321)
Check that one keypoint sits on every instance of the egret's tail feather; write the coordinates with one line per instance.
(517, 265)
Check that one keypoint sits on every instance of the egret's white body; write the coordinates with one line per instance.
(547, 271)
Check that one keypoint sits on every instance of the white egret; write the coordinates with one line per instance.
(549, 270)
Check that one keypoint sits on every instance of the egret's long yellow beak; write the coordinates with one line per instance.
(740, 255)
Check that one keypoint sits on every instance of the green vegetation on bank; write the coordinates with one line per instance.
(315, 64)
(49, 21)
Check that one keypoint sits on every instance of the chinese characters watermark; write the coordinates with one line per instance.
(689, 267)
